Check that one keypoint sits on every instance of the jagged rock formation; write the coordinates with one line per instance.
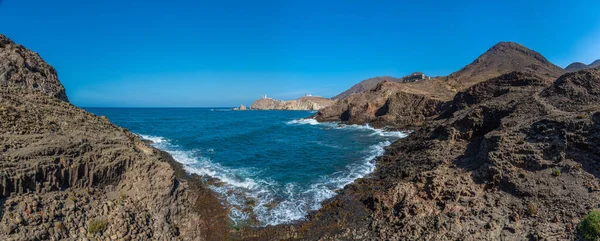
(68, 174)
(365, 107)
(385, 105)
(302, 103)
(581, 66)
(513, 158)
(371, 83)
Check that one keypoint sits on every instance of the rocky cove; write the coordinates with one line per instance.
(497, 152)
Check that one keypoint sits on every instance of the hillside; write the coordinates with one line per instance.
(581, 66)
(371, 83)
(369, 107)
(503, 58)
(67, 174)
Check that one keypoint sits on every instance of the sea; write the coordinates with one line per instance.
(268, 167)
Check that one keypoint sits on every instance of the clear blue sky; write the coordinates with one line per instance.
(223, 53)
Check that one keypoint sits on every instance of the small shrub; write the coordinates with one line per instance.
(97, 226)
(589, 227)
(581, 116)
(556, 172)
(532, 208)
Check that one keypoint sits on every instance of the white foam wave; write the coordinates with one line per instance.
(272, 204)
(303, 121)
(337, 125)
(153, 139)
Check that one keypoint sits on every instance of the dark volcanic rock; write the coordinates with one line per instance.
(21, 68)
(490, 89)
(483, 171)
(575, 91)
(66, 174)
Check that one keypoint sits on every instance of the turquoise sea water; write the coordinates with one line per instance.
(275, 166)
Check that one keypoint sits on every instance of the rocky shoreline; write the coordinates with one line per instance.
(68, 174)
(511, 158)
(512, 154)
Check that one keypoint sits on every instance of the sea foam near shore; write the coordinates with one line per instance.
(244, 189)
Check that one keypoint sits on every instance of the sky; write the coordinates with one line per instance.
(224, 53)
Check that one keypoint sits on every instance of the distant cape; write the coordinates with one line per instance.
(303, 103)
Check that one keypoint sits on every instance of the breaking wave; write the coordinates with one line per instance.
(250, 195)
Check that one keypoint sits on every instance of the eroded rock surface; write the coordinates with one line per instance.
(24, 69)
(384, 106)
(66, 174)
(511, 158)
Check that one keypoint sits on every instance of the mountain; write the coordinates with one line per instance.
(66, 174)
(576, 66)
(302, 103)
(581, 66)
(370, 83)
(503, 58)
(373, 106)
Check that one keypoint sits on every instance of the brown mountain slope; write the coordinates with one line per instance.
(509, 164)
(581, 66)
(371, 83)
(576, 66)
(364, 85)
(66, 174)
(502, 58)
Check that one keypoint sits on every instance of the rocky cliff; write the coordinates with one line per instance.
(25, 69)
(68, 174)
(371, 106)
(511, 158)
(384, 106)
(303, 103)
